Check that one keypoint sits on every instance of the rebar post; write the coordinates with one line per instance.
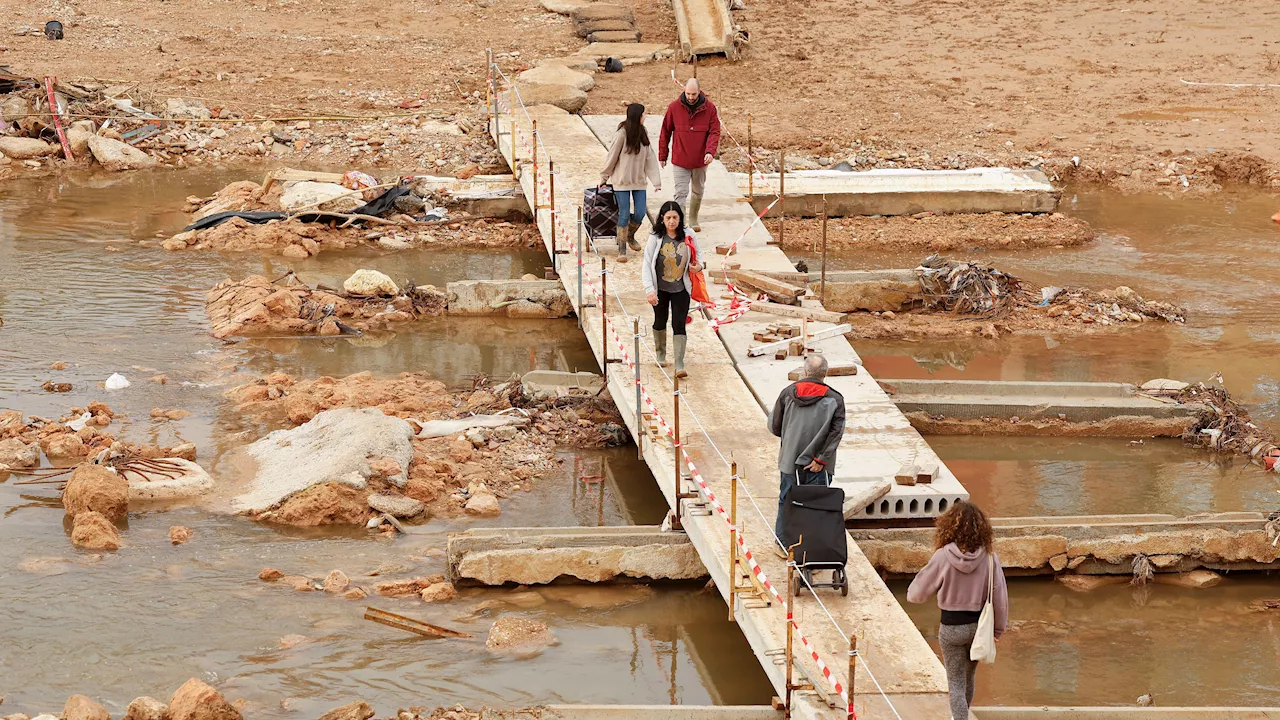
(635, 329)
(515, 161)
(537, 201)
(822, 293)
(677, 448)
(580, 307)
(751, 165)
(733, 538)
(782, 200)
(853, 665)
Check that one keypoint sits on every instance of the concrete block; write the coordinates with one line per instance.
(509, 298)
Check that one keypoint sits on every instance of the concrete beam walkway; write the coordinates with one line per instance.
(904, 665)
(1077, 401)
(904, 192)
(704, 27)
(1125, 713)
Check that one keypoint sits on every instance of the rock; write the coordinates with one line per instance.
(192, 480)
(358, 710)
(387, 468)
(336, 582)
(370, 283)
(20, 148)
(562, 7)
(14, 109)
(628, 53)
(65, 446)
(565, 97)
(295, 252)
(289, 642)
(93, 531)
(1163, 384)
(81, 707)
(1196, 579)
(116, 156)
(439, 592)
(270, 574)
(602, 11)
(95, 488)
(182, 109)
(79, 142)
(519, 635)
(557, 75)
(478, 437)
(1085, 583)
(483, 504)
(405, 588)
(614, 36)
(582, 65)
(881, 290)
(179, 534)
(185, 451)
(333, 447)
(146, 708)
(1059, 562)
(327, 504)
(397, 506)
(461, 450)
(585, 29)
(323, 196)
(298, 583)
(197, 701)
(355, 594)
(18, 455)
(24, 716)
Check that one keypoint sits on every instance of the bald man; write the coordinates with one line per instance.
(691, 128)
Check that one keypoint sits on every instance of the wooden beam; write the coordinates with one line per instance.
(837, 371)
(864, 496)
(820, 335)
(795, 311)
(777, 290)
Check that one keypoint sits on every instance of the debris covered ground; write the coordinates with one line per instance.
(936, 233)
(969, 299)
(454, 474)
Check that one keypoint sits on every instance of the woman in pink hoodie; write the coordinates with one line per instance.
(957, 572)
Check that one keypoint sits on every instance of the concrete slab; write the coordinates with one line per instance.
(478, 196)
(716, 397)
(1096, 545)
(905, 192)
(552, 383)
(1072, 401)
(536, 556)
(509, 298)
(660, 712)
(704, 27)
(1125, 713)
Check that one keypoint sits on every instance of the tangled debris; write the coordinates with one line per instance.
(1227, 426)
(287, 306)
(969, 288)
(464, 472)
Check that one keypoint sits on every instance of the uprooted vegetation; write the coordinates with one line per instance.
(458, 466)
(287, 306)
(299, 214)
(957, 299)
(1226, 426)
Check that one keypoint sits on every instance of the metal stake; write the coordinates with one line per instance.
(635, 329)
(515, 161)
(580, 307)
(853, 664)
(733, 539)
(751, 165)
(822, 294)
(782, 199)
(604, 320)
(537, 202)
(551, 174)
(791, 579)
(675, 445)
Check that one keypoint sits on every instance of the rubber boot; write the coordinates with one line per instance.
(680, 343)
(695, 204)
(624, 234)
(635, 232)
(660, 346)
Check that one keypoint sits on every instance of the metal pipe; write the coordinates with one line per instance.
(537, 202)
(853, 664)
(604, 320)
(822, 294)
(733, 538)
(635, 329)
(551, 174)
(791, 579)
(675, 444)
(580, 308)
(751, 165)
(515, 161)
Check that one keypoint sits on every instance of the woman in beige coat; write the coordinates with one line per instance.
(631, 166)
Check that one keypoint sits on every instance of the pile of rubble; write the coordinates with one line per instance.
(73, 437)
(369, 300)
(425, 451)
(298, 214)
(1106, 307)
(1226, 425)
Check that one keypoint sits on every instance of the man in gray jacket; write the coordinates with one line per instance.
(809, 417)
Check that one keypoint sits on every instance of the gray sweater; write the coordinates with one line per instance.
(809, 417)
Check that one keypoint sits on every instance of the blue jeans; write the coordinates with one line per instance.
(629, 199)
(807, 477)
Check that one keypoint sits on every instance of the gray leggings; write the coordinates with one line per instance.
(955, 641)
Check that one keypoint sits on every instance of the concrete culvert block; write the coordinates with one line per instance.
(557, 75)
(599, 11)
(614, 36)
(565, 97)
(591, 26)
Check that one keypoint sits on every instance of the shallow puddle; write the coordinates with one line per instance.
(1111, 645)
(143, 620)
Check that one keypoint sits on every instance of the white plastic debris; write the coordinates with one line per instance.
(117, 382)
(78, 424)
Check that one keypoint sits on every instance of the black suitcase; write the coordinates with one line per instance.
(600, 212)
(813, 516)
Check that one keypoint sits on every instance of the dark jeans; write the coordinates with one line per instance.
(807, 477)
(677, 305)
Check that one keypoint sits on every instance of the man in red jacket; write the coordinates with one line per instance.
(691, 128)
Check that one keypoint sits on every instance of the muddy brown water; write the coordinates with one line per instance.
(1215, 256)
(143, 620)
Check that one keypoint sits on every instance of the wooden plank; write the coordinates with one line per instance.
(796, 311)
(865, 497)
(820, 335)
(837, 371)
(408, 624)
(777, 290)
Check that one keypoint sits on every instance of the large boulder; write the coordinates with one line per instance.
(65, 446)
(197, 701)
(93, 531)
(308, 195)
(20, 148)
(191, 481)
(369, 283)
(79, 140)
(557, 75)
(96, 488)
(333, 447)
(119, 156)
(565, 97)
(19, 455)
(81, 707)
(396, 505)
(146, 708)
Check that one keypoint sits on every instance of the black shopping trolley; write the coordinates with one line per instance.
(600, 212)
(813, 515)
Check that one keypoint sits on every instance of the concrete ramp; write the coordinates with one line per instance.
(704, 28)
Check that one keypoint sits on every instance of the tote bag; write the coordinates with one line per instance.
(697, 280)
(983, 648)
